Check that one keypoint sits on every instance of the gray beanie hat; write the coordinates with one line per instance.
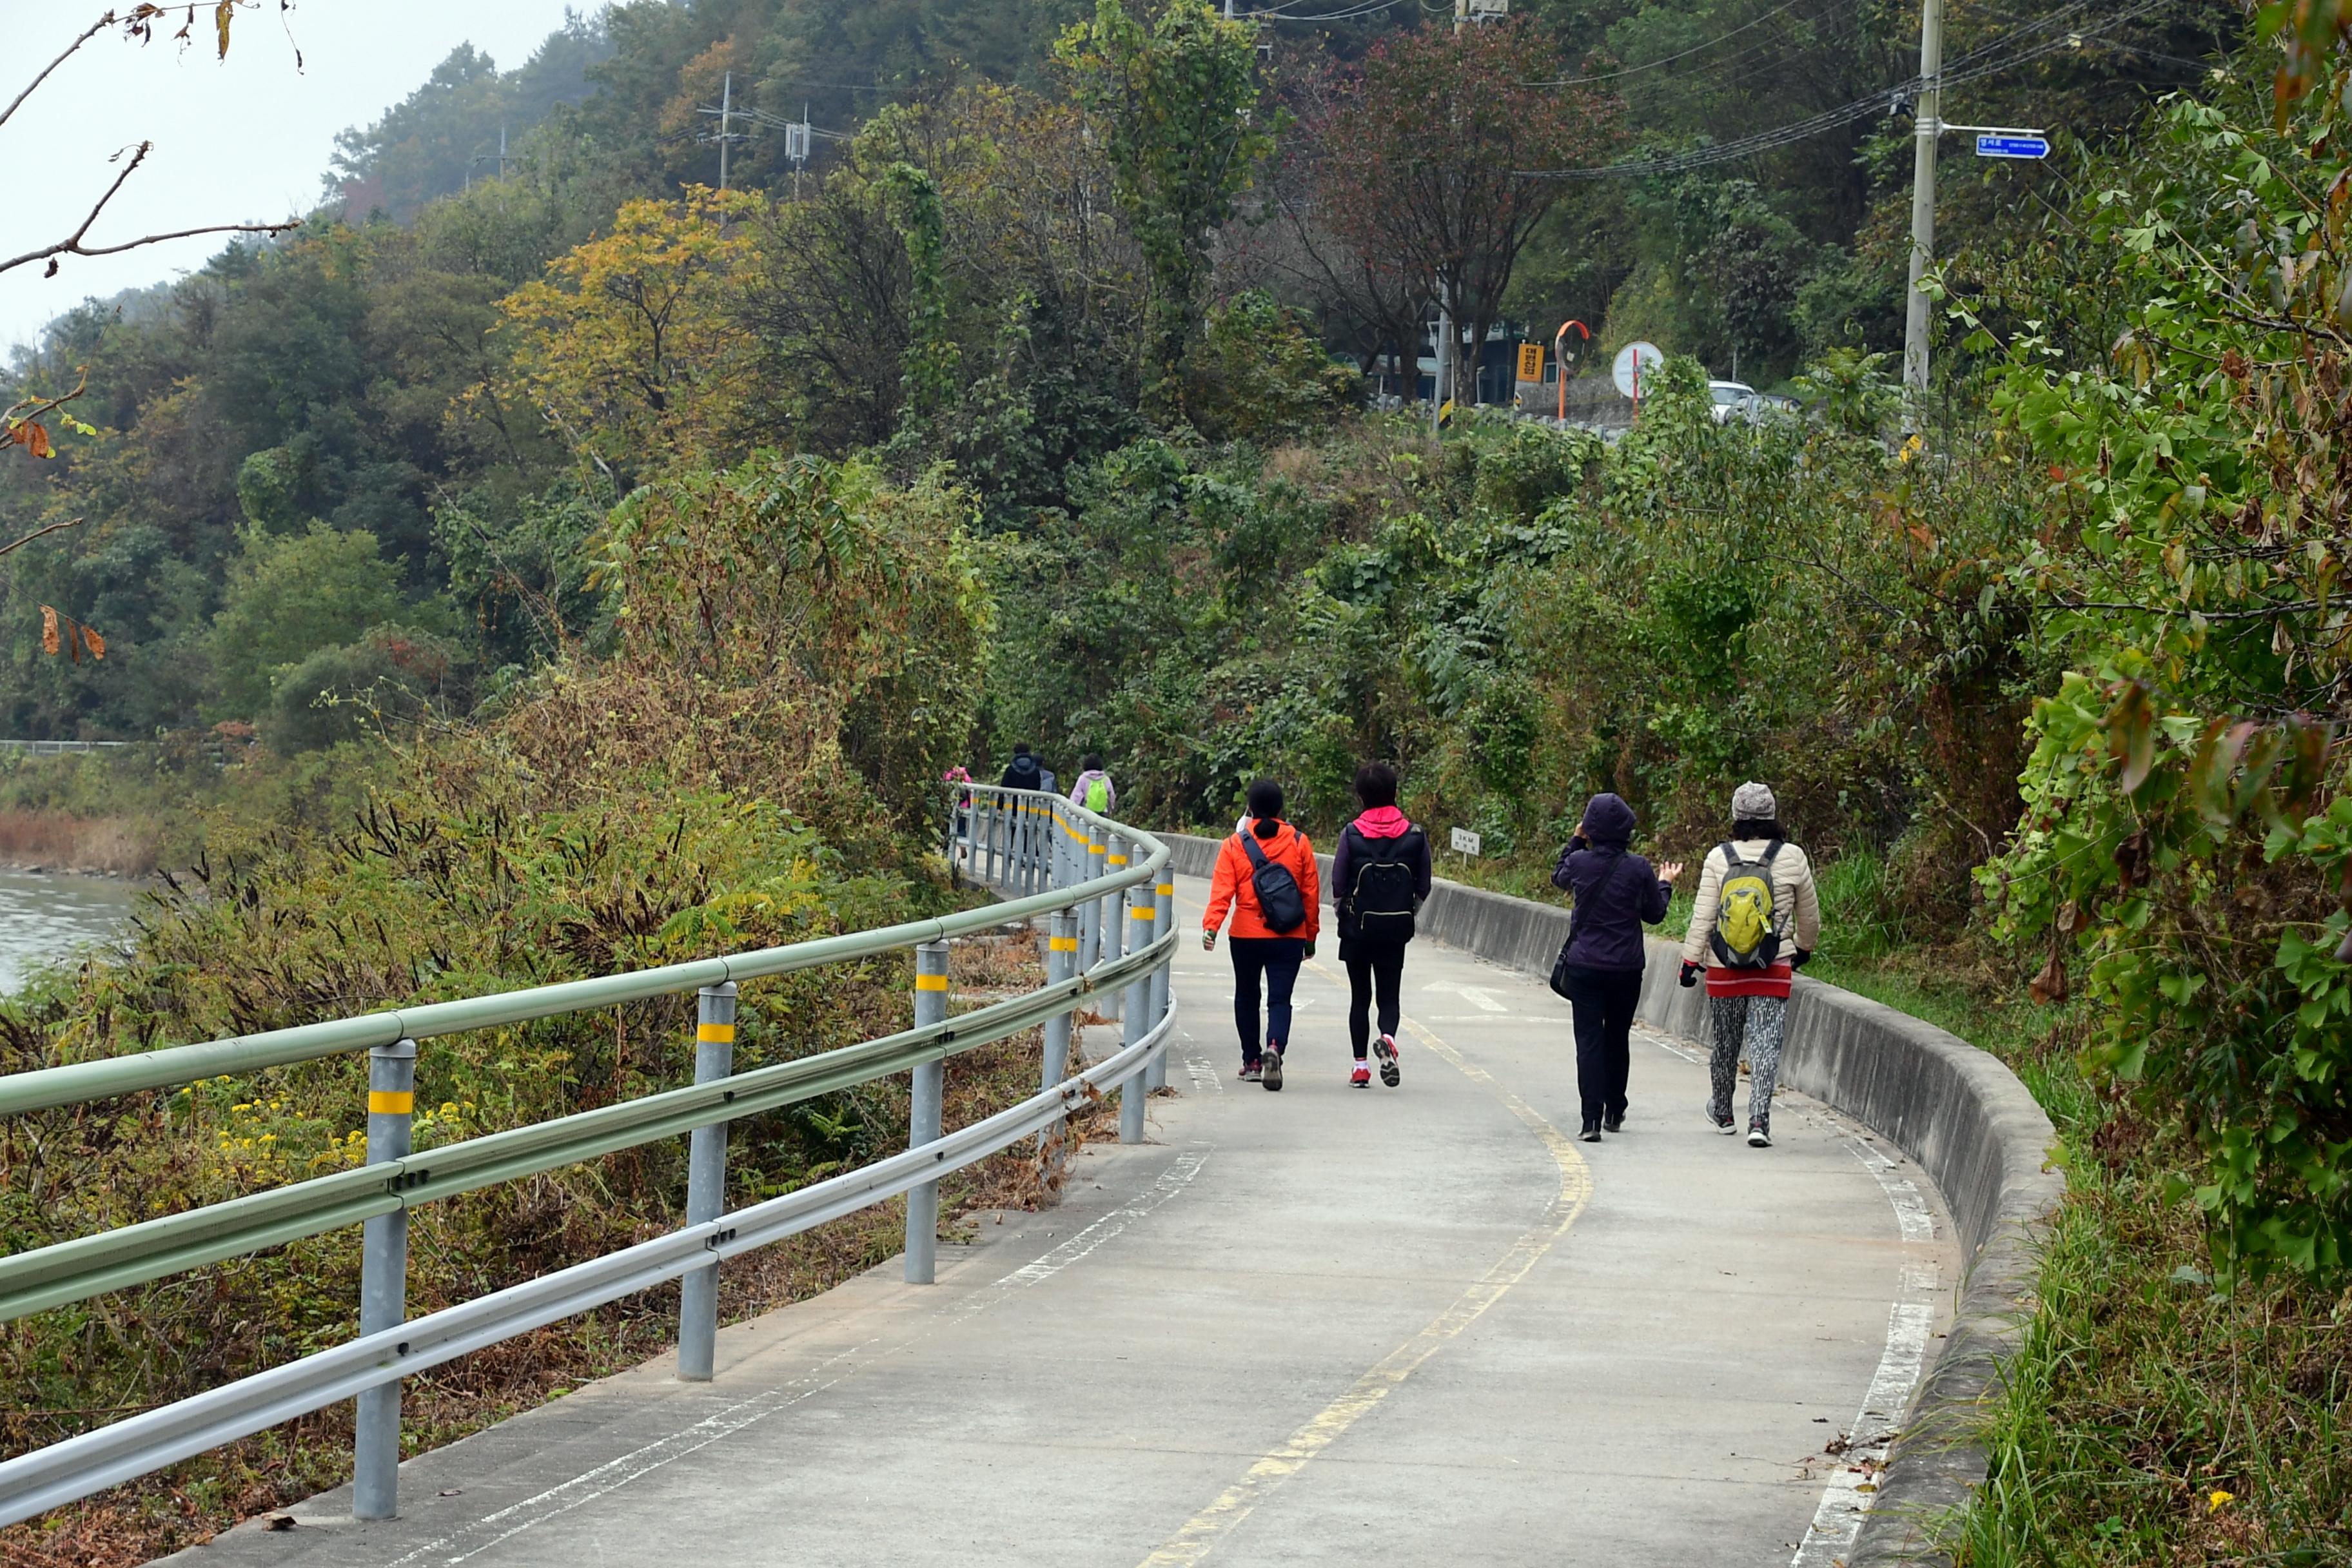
(1754, 802)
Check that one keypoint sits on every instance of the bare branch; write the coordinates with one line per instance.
(34, 407)
(72, 244)
(10, 549)
(94, 30)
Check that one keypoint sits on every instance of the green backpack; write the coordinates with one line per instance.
(1098, 796)
(1745, 932)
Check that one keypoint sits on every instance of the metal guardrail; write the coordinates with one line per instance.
(1108, 931)
(60, 748)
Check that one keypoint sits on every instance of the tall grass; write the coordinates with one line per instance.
(57, 841)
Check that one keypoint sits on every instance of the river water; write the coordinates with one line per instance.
(44, 918)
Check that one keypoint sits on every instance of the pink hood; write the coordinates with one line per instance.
(1383, 822)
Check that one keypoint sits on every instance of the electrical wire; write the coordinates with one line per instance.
(1669, 60)
(1972, 66)
(1349, 15)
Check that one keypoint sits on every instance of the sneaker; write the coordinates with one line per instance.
(1362, 1077)
(1757, 1138)
(1591, 1133)
(1614, 1123)
(1250, 1072)
(1270, 1067)
(1385, 1049)
(1721, 1122)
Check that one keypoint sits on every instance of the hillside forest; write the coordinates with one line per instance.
(656, 547)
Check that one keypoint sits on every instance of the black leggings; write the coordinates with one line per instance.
(1603, 1001)
(1277, 959)
(1369, 965)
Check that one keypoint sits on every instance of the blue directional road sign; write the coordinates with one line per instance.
(2012, 146)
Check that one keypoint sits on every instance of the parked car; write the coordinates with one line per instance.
(1728, 395)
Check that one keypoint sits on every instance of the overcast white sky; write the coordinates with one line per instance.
(244, 139)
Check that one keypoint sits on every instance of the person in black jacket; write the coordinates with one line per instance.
(1380, 875)
(1616, 894)
(1023, 772)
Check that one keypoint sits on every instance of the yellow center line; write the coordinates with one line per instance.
(1206, 1530)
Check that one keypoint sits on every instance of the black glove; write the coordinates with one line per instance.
(1799, 959)
(1311, 947)
(1690, 974)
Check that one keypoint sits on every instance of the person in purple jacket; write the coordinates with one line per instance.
(1616, 894)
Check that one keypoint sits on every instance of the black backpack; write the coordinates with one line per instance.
(1279, 902)
(1022, 773)
(1382, 901)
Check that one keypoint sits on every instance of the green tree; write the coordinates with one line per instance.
(2187, 834)
(1185, 133)
(291, 595)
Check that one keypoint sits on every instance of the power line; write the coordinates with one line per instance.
(1974, 66)
(1349, 15)
(1669, 60)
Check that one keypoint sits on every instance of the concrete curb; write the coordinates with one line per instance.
(1970, 1126)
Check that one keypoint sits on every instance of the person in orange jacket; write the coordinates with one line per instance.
(1268, 943)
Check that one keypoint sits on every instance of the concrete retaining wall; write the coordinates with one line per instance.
(1954, 1110)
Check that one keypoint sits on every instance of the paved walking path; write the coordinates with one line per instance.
(1327, 1325)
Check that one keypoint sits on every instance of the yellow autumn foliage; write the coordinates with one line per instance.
(626, 349)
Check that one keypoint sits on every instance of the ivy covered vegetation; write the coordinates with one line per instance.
(592, 567)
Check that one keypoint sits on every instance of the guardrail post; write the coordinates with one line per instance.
(384, 1282)
(1114, 934)
(1115, 907)
(1090, 914)
(1135, 1090)
(1163, 912)
(1061, 963)
(923, 1120)
(984, 838)
(706, 1185)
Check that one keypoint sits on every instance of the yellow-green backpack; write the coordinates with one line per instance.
(1746, 933)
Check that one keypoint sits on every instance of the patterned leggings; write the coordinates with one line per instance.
(1758, 1023)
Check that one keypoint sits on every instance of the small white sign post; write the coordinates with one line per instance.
(1634, 364)
(1466, 843)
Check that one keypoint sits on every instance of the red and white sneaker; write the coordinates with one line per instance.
(1362, 1077)
(1385, 1049)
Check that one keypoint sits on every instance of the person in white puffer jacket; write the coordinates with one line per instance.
(1748, 971)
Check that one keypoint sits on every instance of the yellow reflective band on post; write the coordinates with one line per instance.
(1118, 859)
(391, 1102)
(1063, 943)
(715, 1034)
(930, 982)
(1097, 849)
(1167, 890)
(1144, 913)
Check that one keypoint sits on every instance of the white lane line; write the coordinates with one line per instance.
(1910, 1323)
(472, 1539)
(1204, 1075)
(1476, 997)
(1172, 1180)
(1666, 1044)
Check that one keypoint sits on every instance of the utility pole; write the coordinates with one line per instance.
(727, 137)
(1461, 15)
(727, 125)
(1444, 346)
(1928, 127)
